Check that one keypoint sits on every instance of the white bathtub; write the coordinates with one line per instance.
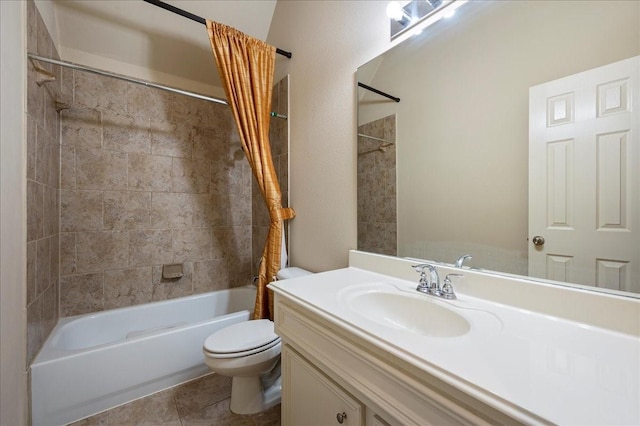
(94, 362)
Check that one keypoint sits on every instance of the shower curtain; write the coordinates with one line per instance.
(246, 65)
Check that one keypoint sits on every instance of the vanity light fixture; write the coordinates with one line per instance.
(395, 11)
(416, 15)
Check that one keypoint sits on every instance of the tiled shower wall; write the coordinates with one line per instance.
(43, 182)
(377, 223)
(279, 140)
(148, 178)
(128, 179)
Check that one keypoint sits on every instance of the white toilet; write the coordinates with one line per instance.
(249, 352)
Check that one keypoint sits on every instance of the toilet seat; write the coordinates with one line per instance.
(242, 339)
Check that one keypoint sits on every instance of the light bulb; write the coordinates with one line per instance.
(394, 11)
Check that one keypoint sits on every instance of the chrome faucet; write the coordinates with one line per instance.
(461, 260)
(431, 284)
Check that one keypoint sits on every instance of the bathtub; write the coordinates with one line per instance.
(94, 362)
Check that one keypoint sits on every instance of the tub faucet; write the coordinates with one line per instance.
(461, 260)
(431, 284)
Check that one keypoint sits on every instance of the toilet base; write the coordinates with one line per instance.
(249, 397)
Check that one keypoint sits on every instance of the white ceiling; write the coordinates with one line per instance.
(143, 35)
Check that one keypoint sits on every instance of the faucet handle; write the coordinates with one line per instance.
(447, 288)
(425, 285)
(424, 280)
(461, 260)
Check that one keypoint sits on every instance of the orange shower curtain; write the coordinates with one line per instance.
(246, 65)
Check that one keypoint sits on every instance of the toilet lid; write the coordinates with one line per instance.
(241, 337)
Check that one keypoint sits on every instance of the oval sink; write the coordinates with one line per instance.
(413, 313)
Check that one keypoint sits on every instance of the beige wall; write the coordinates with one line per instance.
(13, 317)
(329, 40)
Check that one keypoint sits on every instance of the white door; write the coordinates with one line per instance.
(584, 183)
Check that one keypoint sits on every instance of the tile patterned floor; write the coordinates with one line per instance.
(202, 402)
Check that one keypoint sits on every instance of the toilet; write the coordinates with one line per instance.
(249, 352)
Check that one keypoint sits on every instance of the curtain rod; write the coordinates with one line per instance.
(379, 92)
(134, 80)
(197, 18)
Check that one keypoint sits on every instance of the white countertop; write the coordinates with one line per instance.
(523, 363)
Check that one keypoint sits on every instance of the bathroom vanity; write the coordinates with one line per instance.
(363, 347)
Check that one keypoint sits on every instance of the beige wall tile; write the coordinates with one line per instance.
(35, 210)
(35, 96)
(100, 92)
(44, 42)
(126, 133)
(51, 117)
(150, 247)
(54, 251)
(51, 211)
(190, 176)
(34, 329)
(82, 127)
(43, 156)
(192, 244)
(232, 242)
(209, 209)
(185, 173)
(31, 148)
(99, 169)
(43, 180)
(99, 251)
(171, 210)
(210, 275)
(81, 294)
(220, 117)
(127, 210)
(171, 139)
(147, 102)
(149, 173)
(81, 210)
(67, 167)
(232, 177)
(169, 288)
(50, 308)
(68, 254)
(240, 207)
(127, 287)
(43, 265)
(32, 27)
(31, 272)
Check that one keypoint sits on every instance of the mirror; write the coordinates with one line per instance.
(461, 137)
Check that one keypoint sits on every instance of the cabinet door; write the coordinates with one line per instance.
(312, 399)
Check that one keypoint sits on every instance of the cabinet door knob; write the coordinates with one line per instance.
(341, 417)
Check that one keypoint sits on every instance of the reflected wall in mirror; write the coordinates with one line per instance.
(377, 227)
(462, 137)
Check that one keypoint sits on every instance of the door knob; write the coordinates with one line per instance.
(538, 240)
(341, 417)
